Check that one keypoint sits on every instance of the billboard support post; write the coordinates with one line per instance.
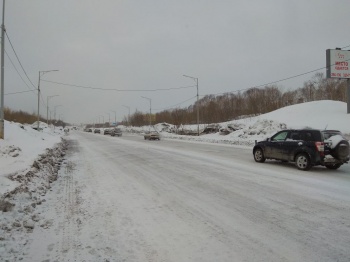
(2, 93)
(348, 96)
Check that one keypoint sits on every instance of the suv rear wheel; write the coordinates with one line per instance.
(302, 161)
(259, 155)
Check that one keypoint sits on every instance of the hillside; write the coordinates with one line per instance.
(317, 114)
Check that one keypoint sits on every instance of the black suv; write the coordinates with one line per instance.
(306, 147)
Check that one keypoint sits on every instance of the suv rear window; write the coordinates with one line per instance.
(310, 135)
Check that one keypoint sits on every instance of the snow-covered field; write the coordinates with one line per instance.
(30, 162)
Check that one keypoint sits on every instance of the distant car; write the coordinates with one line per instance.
(151, 135)
(107, 131)
(116, 132)
(97, 130)
(89, 130)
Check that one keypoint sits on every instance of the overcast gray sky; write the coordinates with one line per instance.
(151, 44)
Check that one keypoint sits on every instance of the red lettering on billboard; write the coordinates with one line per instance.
(342, 68)
(344, 63)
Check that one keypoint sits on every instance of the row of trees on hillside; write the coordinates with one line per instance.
(229, 106)
(27, 118)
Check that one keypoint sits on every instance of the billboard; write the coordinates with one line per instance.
(337, 62)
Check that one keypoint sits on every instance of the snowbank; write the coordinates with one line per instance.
(19, 149)
(324, 114)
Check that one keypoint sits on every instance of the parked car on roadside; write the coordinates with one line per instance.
(97, 130)
(116, 132)
(151, 135)
(305, 147)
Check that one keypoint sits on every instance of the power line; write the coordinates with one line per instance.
(118, 90)
(19, 60)
(20, 92)
(173, 106)
(18, 72)
(345, 47)
(277, 81)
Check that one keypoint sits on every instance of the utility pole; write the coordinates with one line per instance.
(128, 114)
(47, 108)
(109, 119)
(150, 110)
(196, 79)
(115, 117)
(54, 115)
(40, 74)
(2, 115)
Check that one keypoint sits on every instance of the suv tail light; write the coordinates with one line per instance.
(320, 147)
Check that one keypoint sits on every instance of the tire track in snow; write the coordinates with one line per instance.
(70, 228)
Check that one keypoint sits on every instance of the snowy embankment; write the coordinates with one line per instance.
(21, 146)
(324, 114)
(29, 162)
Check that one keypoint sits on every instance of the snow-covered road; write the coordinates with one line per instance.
(126, 199)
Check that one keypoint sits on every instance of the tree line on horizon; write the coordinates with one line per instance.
(28, 118)
(253, 101)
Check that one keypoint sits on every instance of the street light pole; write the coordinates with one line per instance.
(54, 114)
(196, 79)
(109, 119)
(47, 109)
(40, 74)
(2, 114)
(129, 112)
(115, 117)
(103, 119)
(150, 110)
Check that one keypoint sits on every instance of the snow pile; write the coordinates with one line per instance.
(17, 206)
(29, 162)
(41, 125)
(324, 114)
(11, 151)
(19, 149)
